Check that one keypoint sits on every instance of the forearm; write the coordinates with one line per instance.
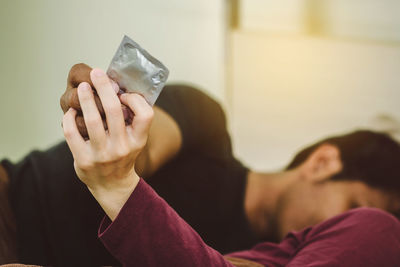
(112, 199)
(148, 232)
(143, 163)
(163, 144)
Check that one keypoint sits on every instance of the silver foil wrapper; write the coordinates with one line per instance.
(135, 70)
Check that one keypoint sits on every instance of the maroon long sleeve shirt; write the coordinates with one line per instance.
(148, 232)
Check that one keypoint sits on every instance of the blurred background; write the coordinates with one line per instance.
(287, 72)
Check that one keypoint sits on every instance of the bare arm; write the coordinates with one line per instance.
(148, 232)
(163, 144)
(106, 164)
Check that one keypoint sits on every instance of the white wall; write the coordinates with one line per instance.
(290, 91)
(274, 16)
(42, 39)
(362, 19)
(291, 88)
(357, 19)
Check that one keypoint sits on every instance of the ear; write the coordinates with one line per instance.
(322, 163)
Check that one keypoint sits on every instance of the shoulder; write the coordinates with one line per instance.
(57, 161)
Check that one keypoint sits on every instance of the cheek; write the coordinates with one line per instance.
(306, 205)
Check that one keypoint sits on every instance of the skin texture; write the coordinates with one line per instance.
(275, 203)
(304, 204)
(81, 73)
(106, 162)
(164, 139)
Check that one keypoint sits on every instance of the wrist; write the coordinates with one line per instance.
(112, 197)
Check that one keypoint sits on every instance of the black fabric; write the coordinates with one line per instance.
(57, 217)
(205, 174)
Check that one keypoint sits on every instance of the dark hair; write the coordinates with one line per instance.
(370, 157)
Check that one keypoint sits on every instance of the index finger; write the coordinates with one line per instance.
(111, 103)
(70, 99)
(78, 73)
(71, 133)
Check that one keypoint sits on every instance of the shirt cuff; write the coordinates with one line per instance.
(113, 233)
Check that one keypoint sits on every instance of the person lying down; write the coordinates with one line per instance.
(188, 158)
(141, 229)
(53, 231)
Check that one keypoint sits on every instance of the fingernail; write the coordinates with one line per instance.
(98, 72)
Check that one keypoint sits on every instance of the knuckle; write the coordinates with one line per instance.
(63, 103)
(113, 109)
(100, 80)
(120, 151)
(77, 67)
(85, 165)
(74, 72)
(73, 99)
(149, 113)
(68, 133)
(65, 119)
(146, 116)
(83, 96)
(91, 121)
(102, 157)
(77, 74)
(138, 145)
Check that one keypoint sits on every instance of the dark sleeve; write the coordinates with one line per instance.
(201, 121)
(56, 216)
(204, 169)
(360, 237)
(148, 232)
(26, 205)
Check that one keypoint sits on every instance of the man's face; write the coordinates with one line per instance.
(306, 203)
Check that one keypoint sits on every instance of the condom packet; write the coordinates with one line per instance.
(135, 70)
